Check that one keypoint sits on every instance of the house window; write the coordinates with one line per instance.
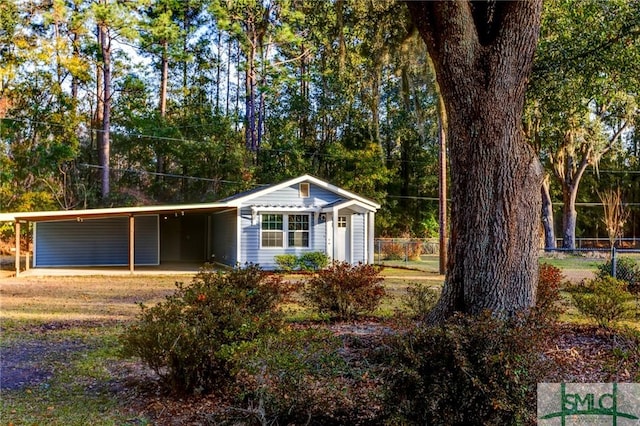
(342, 221)
(272, 234)
(298, 226)
(273, 228)
(303, 189)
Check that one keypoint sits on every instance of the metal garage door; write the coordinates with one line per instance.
(95, 242)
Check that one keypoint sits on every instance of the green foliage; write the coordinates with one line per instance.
(313, 261)
(603, 299)
(420, 299)
(627, 270)
(310, 261)
(188, 338)
(470, 370)
(345, 291)
(286, 262)
(300, 377)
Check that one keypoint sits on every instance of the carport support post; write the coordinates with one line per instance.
(132, 252)
(26, 255)
(17, 248)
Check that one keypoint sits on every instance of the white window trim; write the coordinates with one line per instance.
(285, 231)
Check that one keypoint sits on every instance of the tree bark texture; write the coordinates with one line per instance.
(482, 54)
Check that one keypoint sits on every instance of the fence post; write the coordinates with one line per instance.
(614, 261)
(379, 251)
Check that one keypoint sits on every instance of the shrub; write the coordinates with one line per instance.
(393, 251)
(548, 296)
(345, 291)
(420, 299)
(310, 261)
(300, 377)
(313, 261)
(470, 370)
(602, 299)
(186, 338)
(286, 262)
(402, 250)
(626, 270)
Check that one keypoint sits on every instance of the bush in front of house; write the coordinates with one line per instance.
(186, 339)
(313, 261)
(310, 261)
(286, 262)
(469, 370)
(604, 299)
(345, 291)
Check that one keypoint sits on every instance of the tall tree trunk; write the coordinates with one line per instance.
(570, 174)
(547, 216)
(104, 134)
(482, 54)
(230, 43)
(164, 78)
(250, 101)
(75, 83)
(569, 215)
(218, 71)
(342, 46)
(162, 106)
(97, 117)
(405, 141)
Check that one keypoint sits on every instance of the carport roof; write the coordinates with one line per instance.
(111, 212)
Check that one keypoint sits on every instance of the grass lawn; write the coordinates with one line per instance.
(84, 380)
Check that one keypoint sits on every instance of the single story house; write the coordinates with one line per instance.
(300, 215)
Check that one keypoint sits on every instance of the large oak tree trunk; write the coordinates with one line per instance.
(482, 53)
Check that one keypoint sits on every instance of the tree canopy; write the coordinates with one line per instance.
(209, 97)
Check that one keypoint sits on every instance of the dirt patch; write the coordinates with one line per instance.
(29, 363)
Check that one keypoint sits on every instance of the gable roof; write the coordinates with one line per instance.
(247, 196)
(229, 202)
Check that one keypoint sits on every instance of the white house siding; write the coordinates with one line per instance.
(223, 237)
(95, 242)
(359, 239)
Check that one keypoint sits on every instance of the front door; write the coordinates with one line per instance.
(343, 240)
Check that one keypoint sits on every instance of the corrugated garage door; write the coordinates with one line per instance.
(95, 242)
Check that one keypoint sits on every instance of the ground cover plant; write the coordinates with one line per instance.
(64, 332)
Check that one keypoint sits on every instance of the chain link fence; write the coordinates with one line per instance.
(622, 263)
(415, 253)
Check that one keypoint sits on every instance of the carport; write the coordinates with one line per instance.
(129, 236)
